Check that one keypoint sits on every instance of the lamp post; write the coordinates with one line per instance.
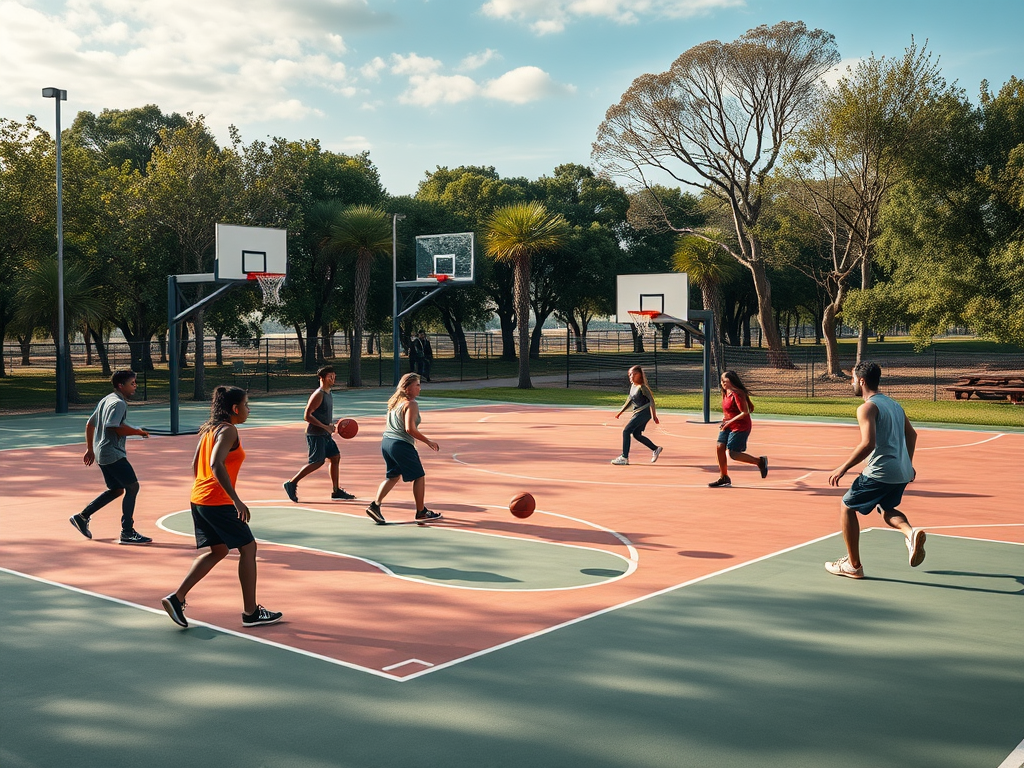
(62, 360)
(395, 342)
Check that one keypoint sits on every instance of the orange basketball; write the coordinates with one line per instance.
(522, 505)
(347, 428)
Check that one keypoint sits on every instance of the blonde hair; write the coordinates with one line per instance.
(402, 390)
(643, 376)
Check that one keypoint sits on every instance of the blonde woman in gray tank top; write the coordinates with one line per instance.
(398, 446)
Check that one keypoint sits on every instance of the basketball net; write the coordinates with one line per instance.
(270, 284)
(642, 319)
(440, 278)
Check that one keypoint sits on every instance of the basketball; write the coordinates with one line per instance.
(522, 505)
(347, 428)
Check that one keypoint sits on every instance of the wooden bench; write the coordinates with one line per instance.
(988, 392)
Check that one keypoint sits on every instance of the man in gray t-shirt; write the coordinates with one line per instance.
(887, 441)
(105, 435)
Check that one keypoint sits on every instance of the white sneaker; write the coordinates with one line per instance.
(842, 567)
(915, 546)
(621, 461)
(656, 454)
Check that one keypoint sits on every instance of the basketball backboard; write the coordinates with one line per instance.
(245, 250)
(452, 255)
(666, 293)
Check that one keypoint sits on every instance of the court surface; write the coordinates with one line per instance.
(637, 618)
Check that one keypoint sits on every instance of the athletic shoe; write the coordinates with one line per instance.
(621, 461)
(426, 514)
(260, 616)
(133, 537)
(762, 464)
(175, 609)
(340, 493)
(915, 546)
(82, 524)
(375, 514)
(292, 489)
(722, 482)
(842, 567)
(656, 454)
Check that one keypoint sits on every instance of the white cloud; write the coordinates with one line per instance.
(525, 84)
(371, 70)
(413, 64)
(349, 144)
(477, 60)
(551, 16)
(843, 69)
(427, 90)
(234, 63)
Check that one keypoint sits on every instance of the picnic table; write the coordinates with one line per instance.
(990, 385)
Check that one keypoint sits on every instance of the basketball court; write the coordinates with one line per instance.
(638, 617)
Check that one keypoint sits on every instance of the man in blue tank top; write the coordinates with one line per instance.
(319, 418)
(887, 441)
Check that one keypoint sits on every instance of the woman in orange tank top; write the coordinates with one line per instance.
(220, 517)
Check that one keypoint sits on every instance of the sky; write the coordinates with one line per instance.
(521, 85)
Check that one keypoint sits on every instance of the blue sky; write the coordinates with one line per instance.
(518, 84)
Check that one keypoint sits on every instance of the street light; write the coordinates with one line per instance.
(62, 372)
(395, 343)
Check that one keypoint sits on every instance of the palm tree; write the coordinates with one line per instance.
(707, 266)
(514, 234)
(37, 298)
(366, 231)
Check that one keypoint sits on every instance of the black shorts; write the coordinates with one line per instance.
(220, 525)
(118, 475)
(400, 458)
(321, 448)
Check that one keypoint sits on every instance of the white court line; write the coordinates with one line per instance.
(1015, 759)
(194, 623)
(644, 483)
(407, 661)
(631, 562)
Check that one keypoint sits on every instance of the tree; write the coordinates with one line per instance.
(848, 156)
(515, 233)
(364, 231)
(191, 185)
(27, 214)
(718, 121)
(707, 268)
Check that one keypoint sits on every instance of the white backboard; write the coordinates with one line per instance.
(667, 293)
(241, 250)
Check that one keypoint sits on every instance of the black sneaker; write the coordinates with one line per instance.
(260, 616)
(762, 464)
(292, 489)
(375, 514)
(82, 524)
(722, 482)
(175, 609)
(425, 514)
(133, 537)
(341, 493)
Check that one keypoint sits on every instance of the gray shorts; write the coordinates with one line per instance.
(866, 493)
(321, 448)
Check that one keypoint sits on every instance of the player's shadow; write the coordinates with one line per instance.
(1018, 579)
(452, 574)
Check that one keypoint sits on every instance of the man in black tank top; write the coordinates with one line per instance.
(319, 419)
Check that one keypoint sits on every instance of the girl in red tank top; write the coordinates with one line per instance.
(220, 517)
(735, 429)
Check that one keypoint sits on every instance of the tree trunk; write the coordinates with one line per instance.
(865, 283)
(199, 382)
(101, 350)
(828, 330)
(218, 348)
(25, 342)
(711, 294)
(508, 337)
(362, 291)
(522, 299)
(778, 357)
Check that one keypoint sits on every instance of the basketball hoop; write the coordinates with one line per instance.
(440, 278)
(642, 318)
(270, 284)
